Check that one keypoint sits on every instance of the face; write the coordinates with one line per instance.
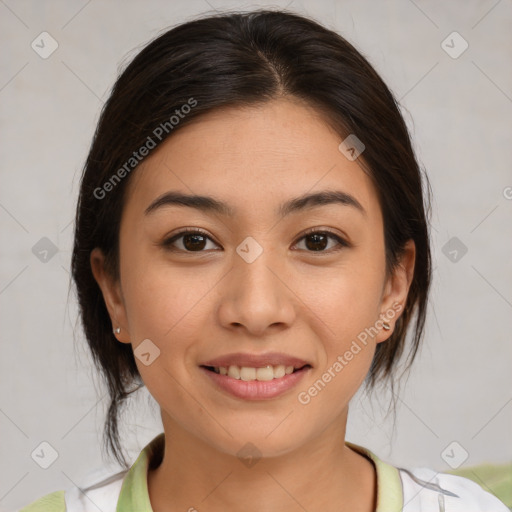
(259, 281)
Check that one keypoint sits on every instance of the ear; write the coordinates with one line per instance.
(112, 295)
(396, 290)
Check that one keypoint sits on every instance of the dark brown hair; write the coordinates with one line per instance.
(242, 59)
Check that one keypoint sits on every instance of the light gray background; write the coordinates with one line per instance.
(459, 111)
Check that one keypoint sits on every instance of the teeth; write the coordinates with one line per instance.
(266, 373)
(280, 371)
(234, 372)
(247, 373)
(262, 374)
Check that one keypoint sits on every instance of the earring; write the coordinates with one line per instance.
(386, 326)
(117, 330)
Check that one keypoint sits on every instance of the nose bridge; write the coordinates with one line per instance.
(252, 266)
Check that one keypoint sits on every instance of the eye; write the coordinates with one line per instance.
(196, 240)
(189, 240)
(318, 241)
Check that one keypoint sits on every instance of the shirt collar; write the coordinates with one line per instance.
(390, 496)
(134, 493)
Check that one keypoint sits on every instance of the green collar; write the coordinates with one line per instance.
(390, 496)
(134, 491)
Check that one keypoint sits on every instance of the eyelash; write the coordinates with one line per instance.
(197, 231)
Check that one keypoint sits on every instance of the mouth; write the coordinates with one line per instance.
(247, 373)
(261, 382)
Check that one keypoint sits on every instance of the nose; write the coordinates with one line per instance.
(257, 296)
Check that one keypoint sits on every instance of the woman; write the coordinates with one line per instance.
(252, 245)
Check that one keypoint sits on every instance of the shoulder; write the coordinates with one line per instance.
(102, 494)
(102, 490)
(427, 490)
(53, 502)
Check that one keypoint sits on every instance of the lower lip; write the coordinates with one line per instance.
(256, 389)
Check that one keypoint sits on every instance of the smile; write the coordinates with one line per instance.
(246, 373)
(255, 383)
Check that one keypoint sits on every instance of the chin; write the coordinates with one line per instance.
(257, 443)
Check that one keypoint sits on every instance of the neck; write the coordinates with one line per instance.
(321, 475)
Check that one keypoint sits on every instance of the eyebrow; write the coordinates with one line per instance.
(210, 204)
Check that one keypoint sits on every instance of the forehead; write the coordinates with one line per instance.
(252, 157)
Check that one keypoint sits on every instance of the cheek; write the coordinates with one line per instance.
(164, 305)
(161, 299)
(346, 299)
(343, 313)
(171, 307)
(344, 306)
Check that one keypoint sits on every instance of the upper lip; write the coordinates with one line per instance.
(256, 360)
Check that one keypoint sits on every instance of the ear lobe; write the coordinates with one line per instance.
(112, 295)
(396, 290)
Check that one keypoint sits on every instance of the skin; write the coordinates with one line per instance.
(311, 304)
